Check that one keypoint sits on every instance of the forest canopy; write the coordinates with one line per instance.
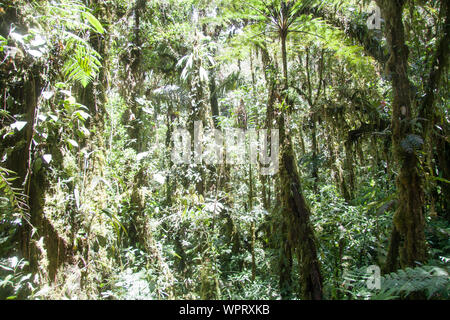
(223, 149)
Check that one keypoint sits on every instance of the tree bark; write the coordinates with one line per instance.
(409, 219)
(295, 210)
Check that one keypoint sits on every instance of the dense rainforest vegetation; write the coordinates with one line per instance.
(335, 181)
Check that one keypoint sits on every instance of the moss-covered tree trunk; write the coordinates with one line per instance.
(21, 82)
(295, 210)
(435, 127)
(409, 223)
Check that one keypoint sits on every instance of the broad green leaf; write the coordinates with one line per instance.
(82, 115)
(72, 143)
(18, 125)
(94, 22)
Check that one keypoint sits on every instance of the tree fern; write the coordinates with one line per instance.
(71, 22)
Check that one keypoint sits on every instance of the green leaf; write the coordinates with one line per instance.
(114, 220)
(440, 179)
(82, 115)
(83, 132)
(72, 143)
(18, 125)
(94, 22)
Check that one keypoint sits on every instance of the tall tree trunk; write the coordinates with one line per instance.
(315, 169)
(439, 65)
(24, 89)
(295, 210)
(409, 220)
(271, 83)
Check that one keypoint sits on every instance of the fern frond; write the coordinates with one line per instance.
(83, 65)
(13, 195)
(432, 280)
